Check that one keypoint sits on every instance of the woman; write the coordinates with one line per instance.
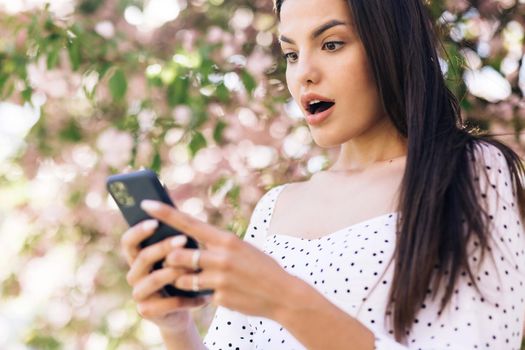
(413, 239)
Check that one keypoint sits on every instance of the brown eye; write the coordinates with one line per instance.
(333, 45)
(290, 57)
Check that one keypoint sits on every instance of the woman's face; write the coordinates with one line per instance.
(325, 57)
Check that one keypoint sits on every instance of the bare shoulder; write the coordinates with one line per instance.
(291, 191)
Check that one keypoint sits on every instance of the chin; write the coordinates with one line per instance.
(327, 141)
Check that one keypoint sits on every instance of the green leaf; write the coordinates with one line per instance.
(103, 69)
(248, 81)
(128, 122)
(197, 142)
(11, 285)
(233, 195)
(20, 66)
(43, 342)
(89, 6)
(118, 84)
(8, 88)
(465, 104)
(73, 48)
(48, 24)
(71, 132)
(8, 66)
(3, 80)
(217, 185)
(52, 58)
(218, 130)
(207, 66)
(75, 198)
(27, 93)
(155, 162)
(178, 91)
(222, 93)
(198, 118)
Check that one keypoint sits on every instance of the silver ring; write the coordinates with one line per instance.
(195, 259)
(195, 283)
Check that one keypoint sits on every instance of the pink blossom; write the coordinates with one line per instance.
(144, 153)
(115, 147)
(258, 63)
(182, 114)
(215, 35)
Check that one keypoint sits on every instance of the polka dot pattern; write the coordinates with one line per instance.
(352, 268)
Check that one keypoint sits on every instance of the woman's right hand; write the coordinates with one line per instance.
(168, 313)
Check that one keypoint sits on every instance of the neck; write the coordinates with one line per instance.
(381, 148)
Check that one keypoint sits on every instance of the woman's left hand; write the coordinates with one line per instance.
(243, 278)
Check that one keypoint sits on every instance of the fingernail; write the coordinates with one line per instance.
(150, 224)
(178, 240)
(149, 205)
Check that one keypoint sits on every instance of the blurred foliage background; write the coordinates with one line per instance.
(195, 90)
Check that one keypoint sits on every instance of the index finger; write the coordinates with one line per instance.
(130, 241)
(191, 226)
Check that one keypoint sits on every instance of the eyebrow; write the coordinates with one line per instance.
(318, 31)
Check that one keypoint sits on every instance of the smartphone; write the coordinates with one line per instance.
(128, 190)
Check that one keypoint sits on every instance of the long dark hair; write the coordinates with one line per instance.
(438, 194)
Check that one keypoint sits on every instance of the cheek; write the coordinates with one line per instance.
(354, 70)
(291, 82)
(356, 80)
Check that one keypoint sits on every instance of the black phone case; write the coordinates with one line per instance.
(144, 184)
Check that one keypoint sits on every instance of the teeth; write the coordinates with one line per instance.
(314, 101)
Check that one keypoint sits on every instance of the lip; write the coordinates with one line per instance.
(306, 98)
(318, 118)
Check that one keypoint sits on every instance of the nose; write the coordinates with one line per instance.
(308, 70)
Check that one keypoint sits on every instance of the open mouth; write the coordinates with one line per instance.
(319, 106)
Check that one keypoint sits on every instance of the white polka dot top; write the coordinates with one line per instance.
(350, 267)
